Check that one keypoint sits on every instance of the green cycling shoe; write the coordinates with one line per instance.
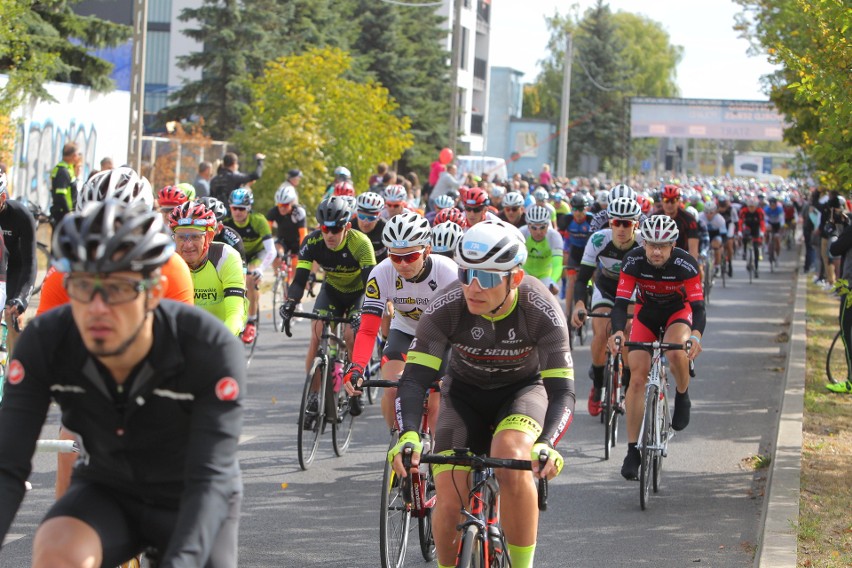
(840, 388)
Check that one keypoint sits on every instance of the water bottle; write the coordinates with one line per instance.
(338, 375)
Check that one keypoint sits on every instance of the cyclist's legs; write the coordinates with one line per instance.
(639, 361)
(716, 245)
(66, 541)
(600, 326)
(453, 486)
(678, 332)
(393, 363)
(517, 491)
(252, 292)
(756, 243)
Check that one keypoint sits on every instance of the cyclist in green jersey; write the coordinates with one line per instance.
(216, 268)
(544, 248)
(260, 249)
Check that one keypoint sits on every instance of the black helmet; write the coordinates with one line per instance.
(112, 236)
(578, 201)
(217, 207)
(333, 211)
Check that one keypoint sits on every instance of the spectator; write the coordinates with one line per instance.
(415, 198)
(545, 179)
(63, 182)
(376, 179)
(202, 181)
(810, 221)
(230, 177)
(106, 164)
(447, 181)
(840, 248)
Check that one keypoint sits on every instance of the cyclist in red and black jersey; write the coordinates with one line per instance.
(752, 223)
(668, 297)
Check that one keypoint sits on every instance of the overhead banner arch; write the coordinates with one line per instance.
(704, 119)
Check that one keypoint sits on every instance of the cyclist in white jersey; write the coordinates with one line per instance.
(717, 231)
(544, 248)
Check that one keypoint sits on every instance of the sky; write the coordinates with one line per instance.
(714, 65)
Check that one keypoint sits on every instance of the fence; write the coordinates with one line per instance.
(169, 161)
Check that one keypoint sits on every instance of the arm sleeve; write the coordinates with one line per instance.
(303, 271)
(699, 316)
(556, 255)
(269, 254)
(560, 409)
(29, 270)
(580, 288)
(366, 339)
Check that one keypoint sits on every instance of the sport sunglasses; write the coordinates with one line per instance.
(406, 258)
(621, 223)
(487, 278)
(332, 230)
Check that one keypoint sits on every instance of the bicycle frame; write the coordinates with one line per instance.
(657, 381)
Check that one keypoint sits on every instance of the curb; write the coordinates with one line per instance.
(778, 543)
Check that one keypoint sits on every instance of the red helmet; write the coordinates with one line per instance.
(671, 192)
(171, 196)
(344, 188)
(463, 190)
(476, 197)
(451, 214)
(644, 203)
(192, 214)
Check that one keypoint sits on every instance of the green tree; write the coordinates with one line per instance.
(306, 113)
(48, 41)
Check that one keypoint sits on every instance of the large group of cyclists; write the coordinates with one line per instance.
(462, 304)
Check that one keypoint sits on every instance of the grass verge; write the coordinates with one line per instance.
(825, 522)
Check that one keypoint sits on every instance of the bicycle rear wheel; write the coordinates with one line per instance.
(611, 380)
(395, 517)
(471, 552)
(836, 368)
(279, 296)
(647, 454)
(374, 369)
(311, 421)
(424, 523)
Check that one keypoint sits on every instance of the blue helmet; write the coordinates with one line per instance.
(242, 197)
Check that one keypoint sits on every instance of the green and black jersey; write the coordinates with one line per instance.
(347, 268)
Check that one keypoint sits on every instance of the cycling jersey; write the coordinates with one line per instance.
(375, 236)
(253, 232)
(544, 257)
(602, 255)
(578, 233)
(168, 440)
(715, 226)
(233, 239)
(291, 228)
(687, 226)
(522, 220)
(774, 214)
(527, 343)
(178, 285)
(789, 213)
(410, 299)
(347, 268)
(754, 221)
(220, 286)
(19, 228)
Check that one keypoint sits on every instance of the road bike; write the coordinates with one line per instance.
(836, 366)
(748, 255)
(324, 401)
(373, 370)
(774, 249)
(709, 277)
(656, 430)
(483, 543)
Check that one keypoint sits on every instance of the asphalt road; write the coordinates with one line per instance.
(707, 513)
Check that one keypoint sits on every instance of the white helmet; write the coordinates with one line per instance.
(624, 208)
(407, 230)
(621, 190)
(710, 207)
(540, 194)
(395, 193)
(122, 184)
(285, 194)
(513, 199)
(445, 236)
(342, 171)
(370, 202)
(602, 197)
(492, 245)
(538, 214)
(497, 192)
(692, 211)
(659, 229)
(444, 202)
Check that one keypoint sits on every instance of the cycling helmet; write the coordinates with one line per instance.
(352, 204)
(192, 214)
(476, 197)
(497, 192)
(773, 199)
(578, 201)
(344, 188)
(710, 207)
(341, 171)
(407, 230)
(285, 194)
(513, 199)
(242, 197)
(671, 192)
(451, 214)
(538, 214)
(722, 199)
(559, 196)
(540, 194)
(3, 183)
(624, 208)
(463, 193)
(333, 211)
(443, 202)
(112, 236)
(445, 236)
(692, 211)
(644, 203)
(188, 189)
(217, 207)
(370, 202)
(454, 194)
(492, 245)
(395, 194)
(659, 229)
(621, 190)
(122, 184)
(602, 197)
(171, 196)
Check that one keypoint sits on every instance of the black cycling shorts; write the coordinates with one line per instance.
(469, 415)
(331, 301)
(396, 347)
(127, 526)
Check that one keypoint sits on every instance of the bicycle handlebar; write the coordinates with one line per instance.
(309, 315)
(660, 345)
(583, 314)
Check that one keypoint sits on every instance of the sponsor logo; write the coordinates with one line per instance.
(372, 290)
(472, 246)
(477, 333)
(542, 304)
(413, 314)
(433, 285)
(597, 239)
(227, 389)
(16, 372)
(511, 333)
(398, 283)
(206, 294)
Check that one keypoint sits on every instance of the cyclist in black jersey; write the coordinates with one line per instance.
(151, 387)
(224, 233)
(508, 390)
(368, 210)
(289, 220)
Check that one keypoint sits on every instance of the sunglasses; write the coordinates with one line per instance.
(671, 199)
(113, 291)
(238, 208)
(474, 209)
(621, 223)
(393, 205)
(486, 278)
(193, 237)
(332, 230)
(538, 227)
(285, 205)
(365, 217)
(512, 209)
(406, 258)
(578, 209)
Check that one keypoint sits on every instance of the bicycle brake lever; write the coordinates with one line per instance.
(542, 482)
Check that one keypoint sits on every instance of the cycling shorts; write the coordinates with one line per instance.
(604, 296)
(469, 415)
(127, 525)
(648, 322)
(575, 257)
(331, 301)
(396, 347)
(776, 227)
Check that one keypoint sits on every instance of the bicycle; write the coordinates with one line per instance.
(250, 346)
(789, 234)
(836, 366)
(656, 430)
(373, 370)
(709, 278)
(748, 253)
(279, 290)
(774, 248)
(482, 543)
(332, 403)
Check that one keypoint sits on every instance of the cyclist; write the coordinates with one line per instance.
(217, 270)
(19, 228)
(224, 234)
(341, 174)
(578, 228)
(508, 390)
(368, 209)
(774, 214)
(752, 226)
(687, 224)
(168, 198)
(347, 258)
(289, 220)
(669, 297)
(396, 201)
(260, 250)
(445, 237)
(475, 202)
(717, 231)
(544, 248)
(407, 279)
(731, 214)
(513, 209)
(153, 389)
(791, 216)
(452, 215)
(604, 253)
(542, 198)
(441, 202)
(601, 218)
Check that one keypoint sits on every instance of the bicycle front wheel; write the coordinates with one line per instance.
(311, 417)
(649, 424)
(611, 380)
(342, 424)
(471, 551)
(424, 523)
(395, 517)
(662, 420)
(279, 296)
(836, 367)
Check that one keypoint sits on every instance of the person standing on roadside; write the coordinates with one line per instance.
(840, 248)
(63, 182)
(202, 180)
(230, 177)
